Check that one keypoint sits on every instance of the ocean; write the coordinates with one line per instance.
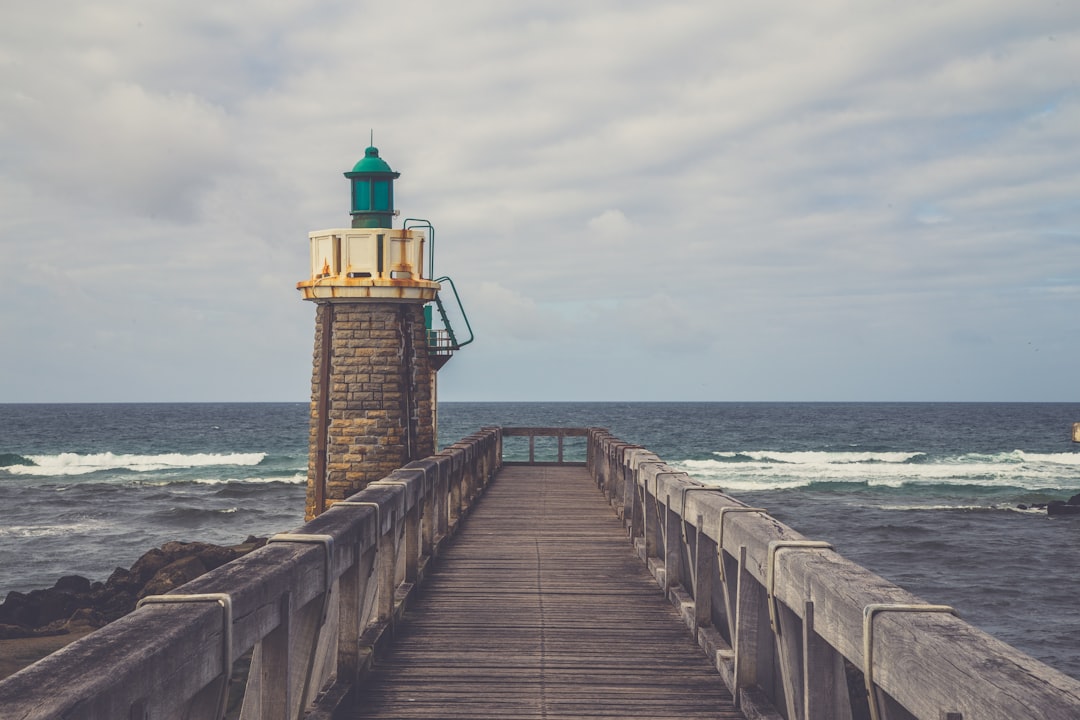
(927, 495)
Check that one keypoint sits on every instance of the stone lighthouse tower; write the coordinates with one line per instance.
(372, 384)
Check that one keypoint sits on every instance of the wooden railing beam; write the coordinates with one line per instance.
(166, 660)
(926, 666)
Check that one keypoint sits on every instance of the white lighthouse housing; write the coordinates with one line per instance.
(377, 263)
(370, 260)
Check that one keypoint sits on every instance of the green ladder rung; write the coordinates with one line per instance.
(446, 322)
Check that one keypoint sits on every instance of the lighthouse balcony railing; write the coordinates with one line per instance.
(440, 342)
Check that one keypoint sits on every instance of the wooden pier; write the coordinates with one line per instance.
(539, 610)
(463, 586)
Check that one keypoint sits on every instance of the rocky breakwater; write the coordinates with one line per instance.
(1064, 507)
(75, 606)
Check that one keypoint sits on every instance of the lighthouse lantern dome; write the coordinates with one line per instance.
(372, 183)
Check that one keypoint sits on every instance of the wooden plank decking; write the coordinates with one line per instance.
(539, 609)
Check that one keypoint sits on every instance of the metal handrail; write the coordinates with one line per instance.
(458, 345)
(421, 223)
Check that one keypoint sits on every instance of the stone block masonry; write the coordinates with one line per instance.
(372, 404)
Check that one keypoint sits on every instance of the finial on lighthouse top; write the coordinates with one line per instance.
(372, 191)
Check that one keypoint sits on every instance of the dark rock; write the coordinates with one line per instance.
(148, 565)
(13, 607)
(82, 620)
(173, 576)
(1074, 500)
(76, 603)
(214, 556)
(25, 611)
(175, 549)
(122, 580)
(86, 617)
(96, 596)
(73, 584)
(1060, 507)
(56, 627)
(116, 605)
(53, 605)
(15, 632)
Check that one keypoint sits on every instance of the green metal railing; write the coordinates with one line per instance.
(452, 343)
(445, 341)
(421, 223)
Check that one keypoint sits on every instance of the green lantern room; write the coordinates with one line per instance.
(372, 183)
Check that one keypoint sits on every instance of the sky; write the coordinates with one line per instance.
(777, 200)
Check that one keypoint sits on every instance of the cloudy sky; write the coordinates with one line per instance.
(686, 200)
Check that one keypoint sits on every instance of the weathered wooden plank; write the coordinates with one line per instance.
(825, 688)
(509, 431)
(934, 665)
(166, 661)
(788, 635)
(539, 609)
(169, 671)
(269, 693)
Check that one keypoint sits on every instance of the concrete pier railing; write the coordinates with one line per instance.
(311, 607)
(801, 633)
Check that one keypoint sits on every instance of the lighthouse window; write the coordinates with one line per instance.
(361, 195)
(381, 196)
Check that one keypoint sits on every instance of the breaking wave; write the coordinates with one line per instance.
(79, 464)
(753, 470)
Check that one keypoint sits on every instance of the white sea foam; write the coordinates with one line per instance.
(909, 508)
(822, 457)
(1027, 510)
(78, 464)
(1072, 458)
(29, 531)
(751, 470)
(297, 479)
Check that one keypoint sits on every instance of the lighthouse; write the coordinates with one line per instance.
(375, 358)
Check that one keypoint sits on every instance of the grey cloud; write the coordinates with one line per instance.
(859, 185)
